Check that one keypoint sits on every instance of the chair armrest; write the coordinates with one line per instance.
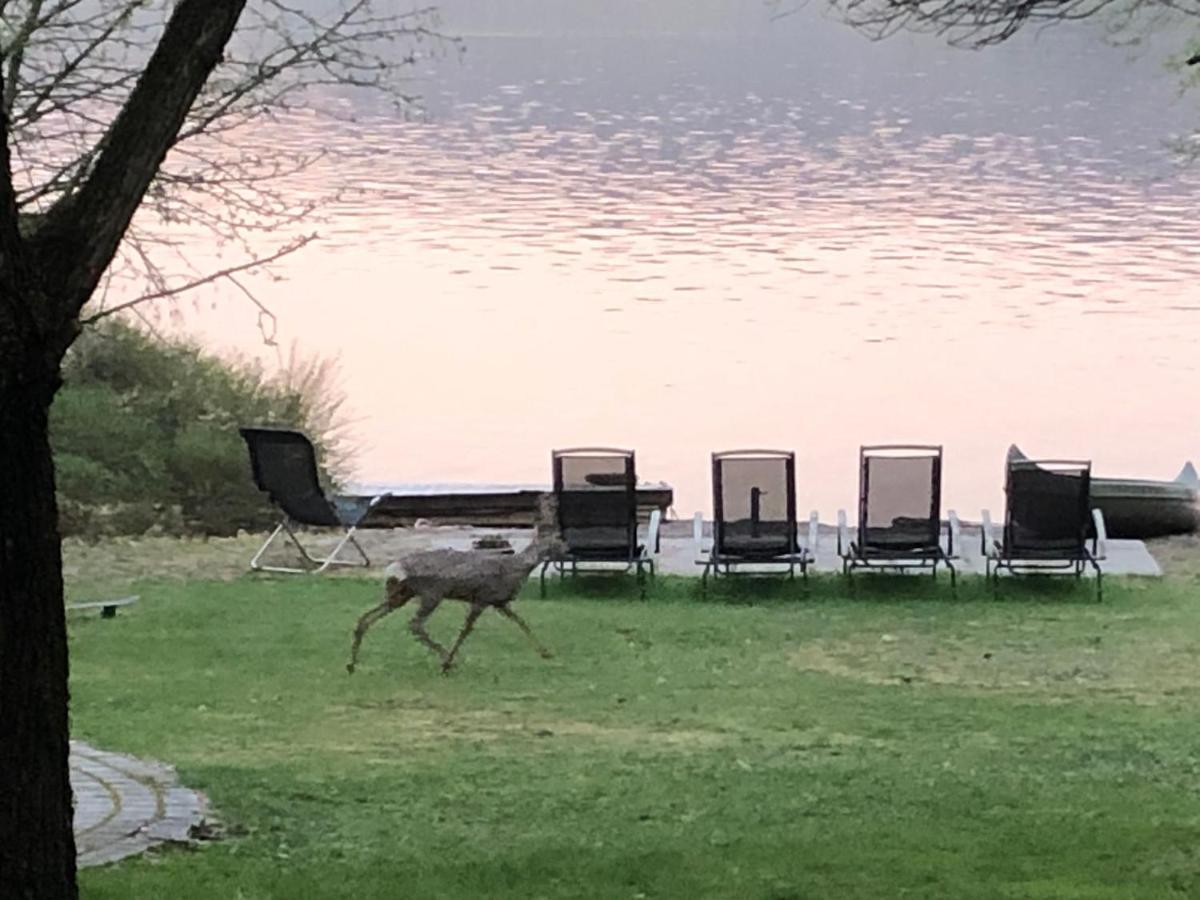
(987, 540)
(814, 533)
(1100, 542)
(652, 540)
(955, 534)
(843, 539)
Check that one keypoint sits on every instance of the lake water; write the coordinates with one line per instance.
(737, 233)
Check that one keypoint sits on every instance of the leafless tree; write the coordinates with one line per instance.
(123, 123)
(979, 23)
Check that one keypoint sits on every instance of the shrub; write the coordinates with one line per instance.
(145, 433)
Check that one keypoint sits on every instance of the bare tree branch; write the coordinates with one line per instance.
(82, 231)
(74, 67)
(227, 273)
(979, 23)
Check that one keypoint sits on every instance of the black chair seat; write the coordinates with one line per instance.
(1067, 551)
(763, 547)
(898, 551)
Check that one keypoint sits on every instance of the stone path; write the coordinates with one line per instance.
(125, 805)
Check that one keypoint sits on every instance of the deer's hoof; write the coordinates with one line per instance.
(546, 654)
(447, 668)
(350, 668)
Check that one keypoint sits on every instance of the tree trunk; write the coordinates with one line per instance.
(37, 842)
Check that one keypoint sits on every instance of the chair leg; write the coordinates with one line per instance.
(1099, 578)
(254, 560)
(314, 566)
(332, 558)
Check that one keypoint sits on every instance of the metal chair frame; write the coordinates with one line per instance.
(286, 529)
(858, 554)
(720, 561)
(641, 558)
(1004, 556)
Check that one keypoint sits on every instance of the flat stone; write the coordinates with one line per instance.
(125, 805)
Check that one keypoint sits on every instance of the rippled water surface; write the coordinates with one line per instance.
(786, 236)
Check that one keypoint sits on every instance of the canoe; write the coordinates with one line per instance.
(1139, 508)
(479, 505)
(1145, 508)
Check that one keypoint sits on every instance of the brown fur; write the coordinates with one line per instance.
(478, 578)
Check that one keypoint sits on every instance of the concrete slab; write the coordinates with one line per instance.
(678, 555)
(679, 549)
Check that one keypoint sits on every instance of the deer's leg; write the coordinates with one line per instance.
(508, 613)
(398, 594)
(472, 614)
(417, 625)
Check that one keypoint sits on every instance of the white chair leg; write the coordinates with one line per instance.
(315, 565)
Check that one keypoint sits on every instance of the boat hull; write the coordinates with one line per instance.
(1145, 509)
(494, 506)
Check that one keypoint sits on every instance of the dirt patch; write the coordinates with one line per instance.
(1178, 555)
(372, 727)
(1144, 672)
(96, 570)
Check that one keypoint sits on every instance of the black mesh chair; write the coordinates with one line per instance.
(899, 512)
(754, 516)
(284, 464)
(596, 493)
(1048, 521)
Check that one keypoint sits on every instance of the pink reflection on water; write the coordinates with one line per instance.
(486, 310)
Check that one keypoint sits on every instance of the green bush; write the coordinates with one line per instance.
(145, 433)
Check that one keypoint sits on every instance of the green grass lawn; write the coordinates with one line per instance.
(765, 744)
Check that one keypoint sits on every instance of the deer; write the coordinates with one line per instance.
(479, 578)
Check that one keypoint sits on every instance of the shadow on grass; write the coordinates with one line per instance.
(779, 590)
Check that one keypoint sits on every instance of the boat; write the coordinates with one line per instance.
(480, 505)
(1144, 508)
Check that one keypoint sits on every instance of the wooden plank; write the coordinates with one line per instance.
(108, 608)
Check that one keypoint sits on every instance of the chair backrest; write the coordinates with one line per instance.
(1047, 506)
(596, 491)
(900, 497)
(754, 502)
(285, 467)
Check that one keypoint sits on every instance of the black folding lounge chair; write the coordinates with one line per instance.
(596, 492)
(754, 516)
(899, 512)
(1047, 521)
(285, 467)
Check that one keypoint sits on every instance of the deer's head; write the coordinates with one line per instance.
(546, 537)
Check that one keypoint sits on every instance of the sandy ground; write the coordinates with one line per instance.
(1178, 556)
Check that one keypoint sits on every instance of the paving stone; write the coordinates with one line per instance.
(125, 805)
